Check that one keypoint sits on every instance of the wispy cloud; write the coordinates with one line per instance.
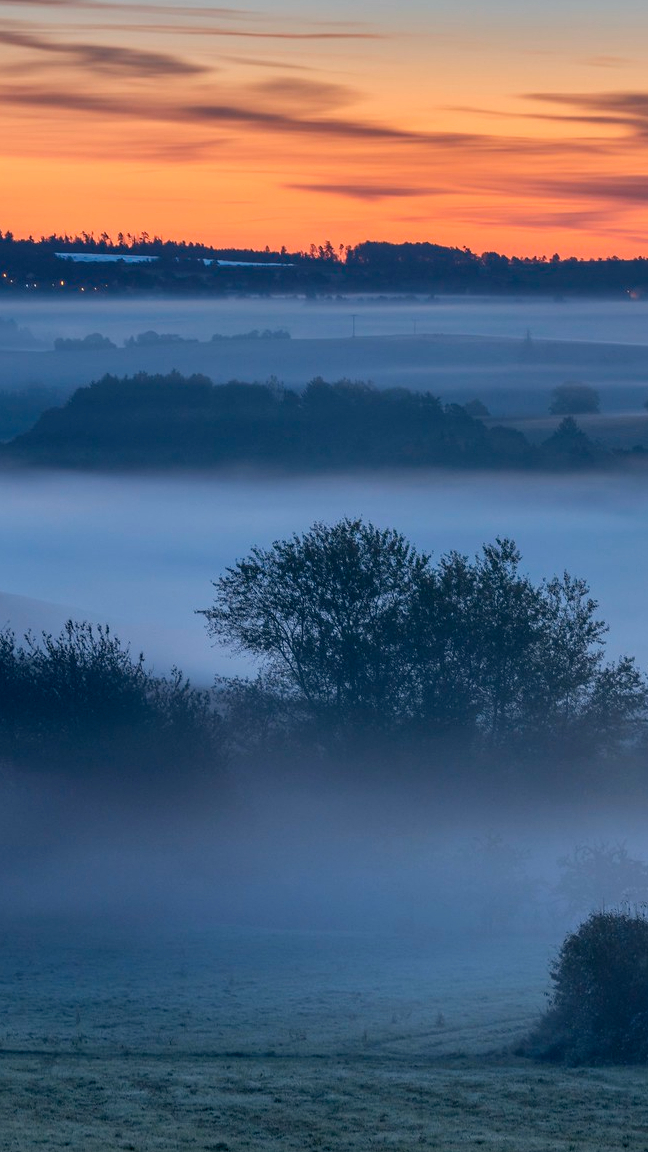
(104, 57)
(262, 62)
(302, 95)
(217, 113)
(367, 192)
(631, 189)
(222, 30)
(134, 7)
(204, 20)
(246, 109)
(608, 61)
(628, 109)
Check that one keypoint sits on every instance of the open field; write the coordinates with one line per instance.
(241, 1039)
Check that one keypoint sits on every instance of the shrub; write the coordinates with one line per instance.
(573, 399)
(80, 703)
(599, 1006)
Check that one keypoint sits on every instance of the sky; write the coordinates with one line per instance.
(491, 124)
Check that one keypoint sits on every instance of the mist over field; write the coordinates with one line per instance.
(508, 352)
(273, 915)
(356, 849)
(511, 317)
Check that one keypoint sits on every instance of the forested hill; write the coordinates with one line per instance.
(153, 422)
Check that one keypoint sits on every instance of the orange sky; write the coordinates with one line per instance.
(481, 124)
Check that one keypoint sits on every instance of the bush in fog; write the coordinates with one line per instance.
(574, 399)
(356, 626)
(79, 701)
(599, 1005)
(596, 876)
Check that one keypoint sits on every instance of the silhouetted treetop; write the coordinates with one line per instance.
(360, 627)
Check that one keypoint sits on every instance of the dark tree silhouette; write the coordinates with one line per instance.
(80, 702)
(327, 613)
(354, 624)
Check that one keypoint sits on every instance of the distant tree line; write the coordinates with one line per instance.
(173, 421)
(94, 341)
(28, 264)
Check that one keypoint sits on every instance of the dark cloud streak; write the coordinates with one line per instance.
(631, 189)
(310, 30)
(103, 57)
(251, 34)
(625, 109)
(242, 112)
(303, 93)
(367, 192)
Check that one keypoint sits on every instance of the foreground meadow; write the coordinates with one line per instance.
(245, 1039)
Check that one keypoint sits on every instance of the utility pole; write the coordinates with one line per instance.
(353, 320)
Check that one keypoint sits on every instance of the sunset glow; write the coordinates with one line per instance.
(491, 126)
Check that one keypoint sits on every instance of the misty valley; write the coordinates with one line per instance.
(311, 773)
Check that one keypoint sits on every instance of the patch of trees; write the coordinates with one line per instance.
(152, 339)
(80, 703)
(255, 334)
(176, 421)
(94, 342)
(356, 631)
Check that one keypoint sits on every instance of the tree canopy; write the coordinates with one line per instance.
(356, 625)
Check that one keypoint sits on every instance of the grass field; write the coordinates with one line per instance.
(242, 1039)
